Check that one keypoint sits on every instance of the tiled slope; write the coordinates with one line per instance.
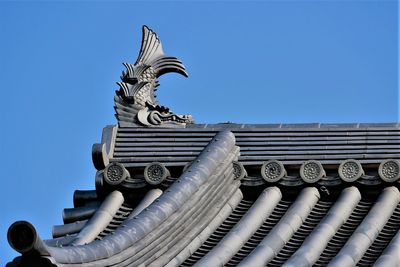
(203, 218)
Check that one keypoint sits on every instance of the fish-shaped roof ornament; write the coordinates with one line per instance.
(135, 101)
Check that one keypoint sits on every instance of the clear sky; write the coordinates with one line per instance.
(253, 62)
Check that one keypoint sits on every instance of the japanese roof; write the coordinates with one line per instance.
(169, 192)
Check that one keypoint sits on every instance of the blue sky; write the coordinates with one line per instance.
(253, 62)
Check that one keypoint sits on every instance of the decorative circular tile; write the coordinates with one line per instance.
(273, 171)
(389, 170)
(115, 173)
(350, 170)
(311, 171)
(238, 170)
(155, 173)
